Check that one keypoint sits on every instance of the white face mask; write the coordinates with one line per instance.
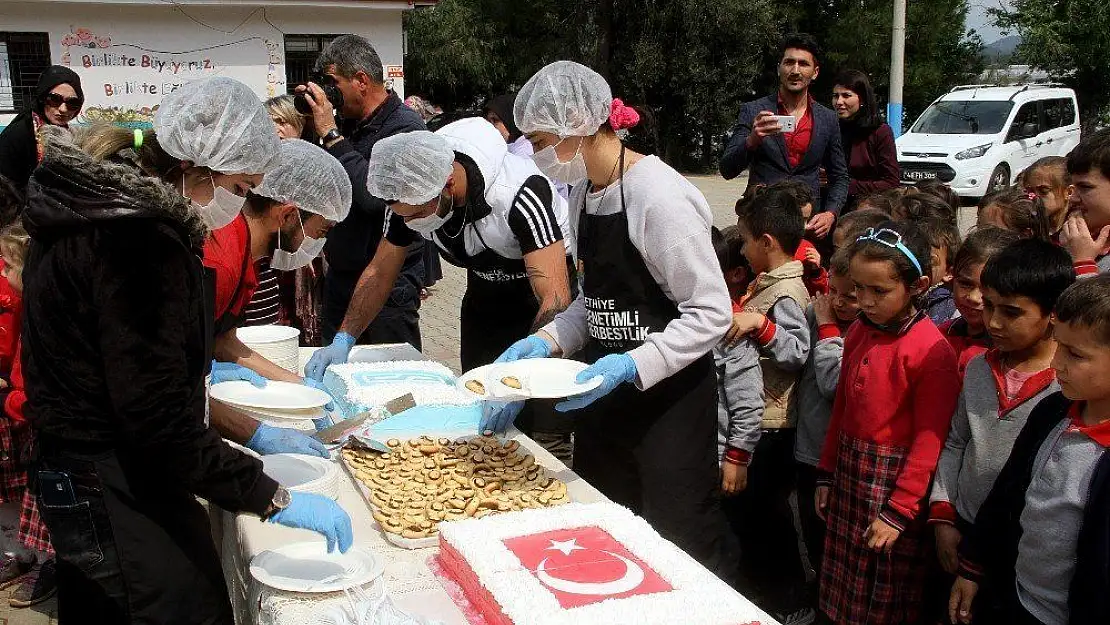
(571, 172)
(426, 226)
(308, 250)
(222, 210)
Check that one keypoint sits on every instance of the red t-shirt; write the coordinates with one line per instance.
(228, 252)
(797, 142)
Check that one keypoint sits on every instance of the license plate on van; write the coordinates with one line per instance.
(915, 176)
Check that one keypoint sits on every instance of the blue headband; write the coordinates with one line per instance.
(894, 240)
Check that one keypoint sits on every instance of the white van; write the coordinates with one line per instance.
(978, 138)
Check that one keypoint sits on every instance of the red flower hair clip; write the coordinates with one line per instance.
(621, 116)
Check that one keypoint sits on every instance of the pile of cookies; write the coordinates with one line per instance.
(418, 483)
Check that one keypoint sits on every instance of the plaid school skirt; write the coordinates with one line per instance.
(32, 529)
(14, 437)
(860, 586)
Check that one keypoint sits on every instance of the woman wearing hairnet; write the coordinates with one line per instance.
(286, 218)
(653, 305)
(117, 339)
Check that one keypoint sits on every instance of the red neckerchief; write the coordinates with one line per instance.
(1035, 384)
(1099, 433)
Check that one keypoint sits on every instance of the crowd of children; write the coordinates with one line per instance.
(940, 408)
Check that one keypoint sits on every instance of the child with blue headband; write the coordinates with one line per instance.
(897, 393)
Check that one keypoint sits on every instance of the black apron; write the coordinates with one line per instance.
(137, 547)
(654, 451)
(498, 308)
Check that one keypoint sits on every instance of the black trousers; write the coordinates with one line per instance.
(771, 567)
(813, 528)
(655, 452)
(132, 549)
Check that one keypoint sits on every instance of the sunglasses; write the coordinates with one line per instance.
(57, 99)
(891, 239)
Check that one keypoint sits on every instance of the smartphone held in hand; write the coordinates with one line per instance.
(789, 123)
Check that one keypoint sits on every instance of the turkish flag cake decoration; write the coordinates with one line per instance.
(585, 565)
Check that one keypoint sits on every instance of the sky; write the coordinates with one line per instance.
(978, 19)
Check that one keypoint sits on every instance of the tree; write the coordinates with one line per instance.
(1070, 39)
(940, 53)
(691, 63)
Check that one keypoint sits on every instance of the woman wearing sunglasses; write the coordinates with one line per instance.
(58, 100)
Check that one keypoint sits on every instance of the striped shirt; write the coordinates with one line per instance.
(264, 306)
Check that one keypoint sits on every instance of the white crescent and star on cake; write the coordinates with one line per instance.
(580, 564)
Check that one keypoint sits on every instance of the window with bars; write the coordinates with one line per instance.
(301, 52)
(23, 58)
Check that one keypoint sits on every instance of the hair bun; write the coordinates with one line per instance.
(621, 116)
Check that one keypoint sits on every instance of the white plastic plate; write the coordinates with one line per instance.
(266, 334)
(269, 414)
(308, 567)
(540, 378)
(273, 396)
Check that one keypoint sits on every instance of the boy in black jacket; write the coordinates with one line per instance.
(1043, 534)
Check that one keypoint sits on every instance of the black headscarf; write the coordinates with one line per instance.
(53, 76)
(18, 149)
(502, 105)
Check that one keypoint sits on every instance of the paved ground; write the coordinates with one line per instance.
(439, 323)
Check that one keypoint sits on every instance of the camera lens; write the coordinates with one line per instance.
(300, 102)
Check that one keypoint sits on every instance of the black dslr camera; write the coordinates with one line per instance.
(327, 83)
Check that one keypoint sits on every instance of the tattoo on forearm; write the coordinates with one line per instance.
(547, 313)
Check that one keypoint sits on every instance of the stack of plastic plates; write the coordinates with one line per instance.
(281, 404)
(304, 474)
(278, 344)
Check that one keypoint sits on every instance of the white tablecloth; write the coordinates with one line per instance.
(407, 577)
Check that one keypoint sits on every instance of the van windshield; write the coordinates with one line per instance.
(970, 117)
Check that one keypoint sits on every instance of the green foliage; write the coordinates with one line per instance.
(691, 63)
(1070, 39)
(856, 34)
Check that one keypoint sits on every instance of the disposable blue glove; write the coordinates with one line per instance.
(614, 369)
(268, 439)
(334, 354)
(309, 511)
(498, 416)
(320, 386)
(229, 372)
(527, 347)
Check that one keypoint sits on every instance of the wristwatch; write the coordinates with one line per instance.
(333, 135)
(281, 501)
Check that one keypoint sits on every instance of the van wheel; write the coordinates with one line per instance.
(1000, 178)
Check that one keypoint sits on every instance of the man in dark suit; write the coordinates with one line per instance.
(758, 142)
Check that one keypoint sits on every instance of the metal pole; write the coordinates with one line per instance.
(897, 68)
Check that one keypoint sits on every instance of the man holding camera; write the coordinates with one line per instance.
(352, 81)
(789, 135)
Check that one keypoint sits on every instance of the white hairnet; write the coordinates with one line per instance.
(411, 167)
(564, 98)
(218, 123)
(309, 178)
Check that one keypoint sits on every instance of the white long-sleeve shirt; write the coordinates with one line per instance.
(669, 222)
